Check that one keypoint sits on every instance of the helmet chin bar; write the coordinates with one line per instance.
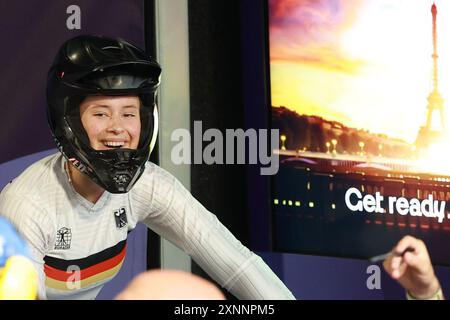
(122, 173)
(117, 170)
(121, 179)
(124, 181)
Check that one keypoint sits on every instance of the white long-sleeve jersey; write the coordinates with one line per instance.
(78, 246)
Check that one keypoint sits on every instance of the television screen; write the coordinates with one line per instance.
(360, 91)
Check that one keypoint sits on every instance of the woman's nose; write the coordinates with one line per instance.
(115, 125)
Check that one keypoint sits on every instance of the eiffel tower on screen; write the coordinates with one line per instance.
(429, 135)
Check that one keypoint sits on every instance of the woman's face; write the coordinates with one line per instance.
(111, 122)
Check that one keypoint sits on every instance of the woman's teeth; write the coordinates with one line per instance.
(114, 144)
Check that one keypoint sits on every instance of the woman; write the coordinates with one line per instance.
(75, 208)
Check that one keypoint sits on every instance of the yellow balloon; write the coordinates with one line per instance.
(18, 279)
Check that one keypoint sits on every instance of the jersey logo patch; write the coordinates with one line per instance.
(120, 216)
(63, 238)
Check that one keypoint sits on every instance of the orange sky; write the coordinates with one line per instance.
(365, 63)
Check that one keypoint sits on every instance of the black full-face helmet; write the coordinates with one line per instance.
(95, 65)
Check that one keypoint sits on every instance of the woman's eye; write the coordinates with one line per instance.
(101, 114)
(129, 115)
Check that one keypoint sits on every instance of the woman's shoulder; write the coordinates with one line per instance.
(154, 182)
(29, 196)
(37, 177)
(154, 173)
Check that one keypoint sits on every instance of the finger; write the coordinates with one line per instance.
(407, 242)
(395, 262)
(394, 267)
(389, 270)
(398, 273)
(416, 261)
(387, 265)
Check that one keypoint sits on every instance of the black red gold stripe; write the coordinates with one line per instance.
(92, 269)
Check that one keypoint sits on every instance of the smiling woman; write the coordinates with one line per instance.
(76, 208)
(111, 122)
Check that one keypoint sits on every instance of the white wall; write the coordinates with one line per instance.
(172, 44)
